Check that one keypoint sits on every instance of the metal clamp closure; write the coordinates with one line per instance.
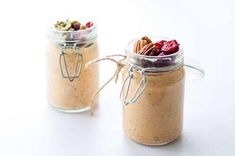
(63, 62)
(139, 89)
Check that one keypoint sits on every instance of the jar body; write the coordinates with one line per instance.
(156, 117)
(72, 96)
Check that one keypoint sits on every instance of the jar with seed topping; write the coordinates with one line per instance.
(70, 85)
(153, 94)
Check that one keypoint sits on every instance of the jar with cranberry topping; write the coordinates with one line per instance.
(153, 93)
(70, 85)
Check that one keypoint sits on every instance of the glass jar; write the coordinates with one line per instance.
(70, 85)
(153, 96)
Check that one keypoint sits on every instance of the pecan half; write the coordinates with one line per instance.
(146, 39)
(146, 50)
(141, 43)
(136, 46)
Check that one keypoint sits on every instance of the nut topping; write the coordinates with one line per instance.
(71, 25)
(147, 49)
(141, 43)
(145, 46)
(146, 39)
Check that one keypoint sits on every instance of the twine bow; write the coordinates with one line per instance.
(115, 76)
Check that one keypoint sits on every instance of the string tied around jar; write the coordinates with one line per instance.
(115, 76)
(124, 91)
(124, 94)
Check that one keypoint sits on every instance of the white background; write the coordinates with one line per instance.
(29, 127)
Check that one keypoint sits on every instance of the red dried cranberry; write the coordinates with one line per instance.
(76, 26)
(143, 63)
(89, 24)
(159, 44)
(153, 52)
(170, 47)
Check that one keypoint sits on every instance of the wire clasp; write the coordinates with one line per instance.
(128, 80)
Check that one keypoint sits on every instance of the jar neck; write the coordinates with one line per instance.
(154, 69)
(156, 63)
(70, 38)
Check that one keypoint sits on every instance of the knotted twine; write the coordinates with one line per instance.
(120, 65)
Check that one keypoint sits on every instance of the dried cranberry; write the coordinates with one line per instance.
(159, 44)
(158, 63)
(170, 47)
(152, 52)
(76, 26)
(142, 63)
(89, 24)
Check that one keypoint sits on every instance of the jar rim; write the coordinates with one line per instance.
(79, 36)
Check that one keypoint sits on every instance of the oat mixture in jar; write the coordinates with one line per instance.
(71, 46)
(153, 91)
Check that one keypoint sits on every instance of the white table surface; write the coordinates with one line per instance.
(29, 127)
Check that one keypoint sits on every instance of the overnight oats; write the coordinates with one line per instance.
(71, 46)
(153, 90)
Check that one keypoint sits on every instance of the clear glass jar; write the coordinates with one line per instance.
(153, 96)
(70, 85)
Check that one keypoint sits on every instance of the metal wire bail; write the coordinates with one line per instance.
(78, 63)
(139, 89)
